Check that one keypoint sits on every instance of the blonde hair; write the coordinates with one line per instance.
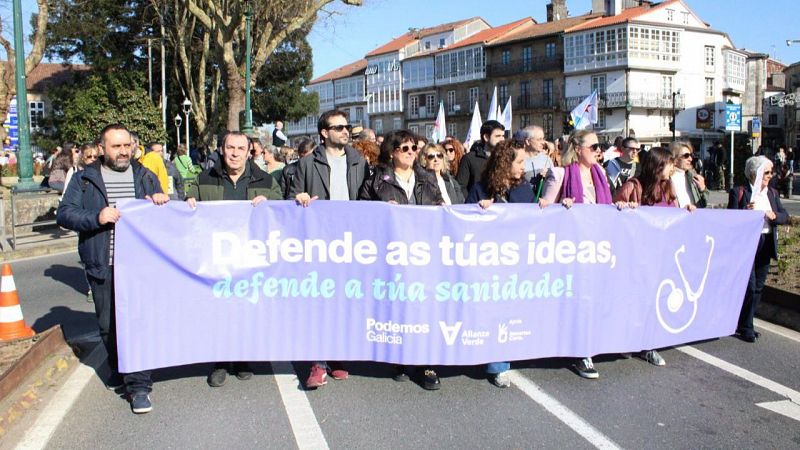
(570, 154)
(677, 146)
(423, 160)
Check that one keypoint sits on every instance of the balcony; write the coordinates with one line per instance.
(422, 113)
(649, 100)
(537, 64)
(530, 101)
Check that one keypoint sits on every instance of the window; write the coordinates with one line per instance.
(430, 104)
(441, 43)
(666, 86)
(671, 15)
(451, 101)
(452, 129)
(709, 88)
(599, 84)
(473, 97)
(524, 93)
(413, 104)
(601, 120)
(36, 113)
(685, 17)
(709, 55)
(502, 95)
(527, 59)
(414, 129)
(429, 130)
(427, 45)
(547, 92)
(359, 113)
(397, 123)
(550, 50)
(773, 120)
(547, 124)
(505, 57)
(378, 126)
(524, 120)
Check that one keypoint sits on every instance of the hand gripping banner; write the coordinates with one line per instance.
(421, 285)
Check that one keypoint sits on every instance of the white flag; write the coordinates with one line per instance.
(493, 106)
(505, 118)
(474, 133)
(585, 113)
(439, 128)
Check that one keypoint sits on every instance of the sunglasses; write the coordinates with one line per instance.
(432, 156)
(633, 149)
(594, 147)
(767, 172)
(407, 148)
(450, 149)
(686, 156)
(340, 128)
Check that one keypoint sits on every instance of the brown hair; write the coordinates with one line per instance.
(654, 189)
(459, 148)
(496, 176)
(369, 150)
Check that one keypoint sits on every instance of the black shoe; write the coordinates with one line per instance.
(243, 370)
(400, 374)
(751, 338)
(114, 382)
(217, 377)
(140, 403)
(430, 380)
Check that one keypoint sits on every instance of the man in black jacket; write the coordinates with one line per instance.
(471, 167)
(89, 207)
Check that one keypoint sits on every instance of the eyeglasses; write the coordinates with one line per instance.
(633, 149)
(432, 156)
(450, 149)
(594, 147)
(767, 172)
(340, 128)
(686, 156)
(407, 148)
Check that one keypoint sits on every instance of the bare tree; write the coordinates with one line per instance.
(8, 87)
(215, 31)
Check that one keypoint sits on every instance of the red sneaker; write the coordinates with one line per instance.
(317, 378)
(337, 370)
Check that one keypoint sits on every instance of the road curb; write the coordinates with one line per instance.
(62, 245)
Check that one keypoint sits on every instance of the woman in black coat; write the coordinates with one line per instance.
(434, 159)
(399, 180)
(766, 199)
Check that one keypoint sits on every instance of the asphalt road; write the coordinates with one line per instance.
(690, 403)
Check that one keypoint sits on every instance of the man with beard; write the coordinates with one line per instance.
(89, 207)
(471, 166)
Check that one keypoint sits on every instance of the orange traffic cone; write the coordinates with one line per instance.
(12, 325)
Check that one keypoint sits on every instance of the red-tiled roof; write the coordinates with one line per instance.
(409, 37)
(625, 16)
(532, 30)
(490, 34)
(46, 75)
(356, 68)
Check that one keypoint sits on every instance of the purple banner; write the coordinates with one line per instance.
(421, 285)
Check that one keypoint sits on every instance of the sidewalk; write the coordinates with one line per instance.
(49, 241)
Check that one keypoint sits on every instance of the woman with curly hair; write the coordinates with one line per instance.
(502, 181)
(453, 152)
(369, 150)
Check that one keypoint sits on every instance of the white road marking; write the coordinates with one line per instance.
(562, 413)
(306, 429)
(38, 436)
(754, 378)
(779, 330)
(784, 407)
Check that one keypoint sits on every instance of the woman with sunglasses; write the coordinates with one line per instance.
(83, 156)
(688, 185)
(433, 158)
(399, 180)
(502, 181)
(757, 195)
(453, 151)
(580, 180)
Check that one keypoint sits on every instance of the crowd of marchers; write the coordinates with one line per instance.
(399, 168)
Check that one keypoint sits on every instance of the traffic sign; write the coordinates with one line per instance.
(755, 127)
(733, 117)
(704, 119)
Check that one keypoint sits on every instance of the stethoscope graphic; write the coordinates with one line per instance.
(676, 298)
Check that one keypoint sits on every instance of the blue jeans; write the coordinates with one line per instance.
(497, 367)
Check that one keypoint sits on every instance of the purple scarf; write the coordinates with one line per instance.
(572, 187)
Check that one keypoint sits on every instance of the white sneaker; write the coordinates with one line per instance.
(654, 358)
(585, 368)
(500, 380)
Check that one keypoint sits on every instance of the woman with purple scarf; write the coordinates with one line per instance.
(580, 180)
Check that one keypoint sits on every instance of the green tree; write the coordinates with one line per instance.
(83, 108)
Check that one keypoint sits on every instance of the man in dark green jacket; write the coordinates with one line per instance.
(236, 178)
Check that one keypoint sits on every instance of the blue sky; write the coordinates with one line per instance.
(352, 32)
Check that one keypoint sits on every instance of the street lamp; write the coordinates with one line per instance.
(674, 127)
(24, 154)
(187, 109)
(628, 109)
(247, 128)
(178, 121)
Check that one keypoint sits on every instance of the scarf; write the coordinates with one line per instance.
(572, 186)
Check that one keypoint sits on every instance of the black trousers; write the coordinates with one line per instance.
(755, 286)
(103, 293)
